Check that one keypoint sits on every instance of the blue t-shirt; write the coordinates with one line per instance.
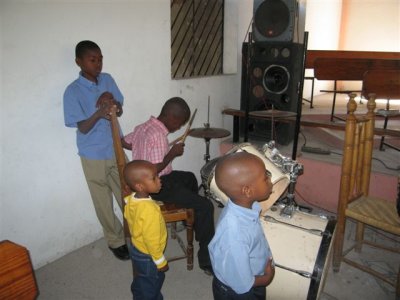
(239, 250)
(80, 99)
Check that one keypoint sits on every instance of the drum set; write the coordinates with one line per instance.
(300, 241)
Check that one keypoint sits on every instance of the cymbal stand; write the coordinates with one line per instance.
(207, 140)
(207, 155)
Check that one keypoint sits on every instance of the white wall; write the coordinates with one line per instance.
(369, 25)
(322, 23)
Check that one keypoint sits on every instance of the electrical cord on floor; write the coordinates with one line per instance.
(385, 165)
(374, 158)
(304, 137)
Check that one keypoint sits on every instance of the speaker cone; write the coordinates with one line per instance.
(276, 79)
(272, 18)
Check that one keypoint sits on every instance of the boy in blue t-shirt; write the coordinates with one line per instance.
(87, 106)
(240, 254)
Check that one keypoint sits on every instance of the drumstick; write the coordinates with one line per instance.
(183, 137)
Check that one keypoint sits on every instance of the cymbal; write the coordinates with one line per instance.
(272, 113)
(209, 132)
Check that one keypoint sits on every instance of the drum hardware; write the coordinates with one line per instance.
(299, 272)
(293, 168)
(309, 230)
(208, 133)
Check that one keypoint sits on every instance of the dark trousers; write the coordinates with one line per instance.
(147, 281)
(224, 292)
(181, 188)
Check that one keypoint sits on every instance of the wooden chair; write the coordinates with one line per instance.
(171, 213)
(354, 201)
(386, 85)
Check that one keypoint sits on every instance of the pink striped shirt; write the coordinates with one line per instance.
(149, 142)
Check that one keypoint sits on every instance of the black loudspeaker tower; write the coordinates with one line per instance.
(274, 20)
(271, 75)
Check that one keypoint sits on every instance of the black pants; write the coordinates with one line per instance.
(224, 292)
(181, 188)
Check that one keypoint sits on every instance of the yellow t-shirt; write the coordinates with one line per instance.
(147, 227)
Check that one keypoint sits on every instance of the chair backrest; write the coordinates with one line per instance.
(119, 153)
(385, 84)
(121, 162)
(357, 152)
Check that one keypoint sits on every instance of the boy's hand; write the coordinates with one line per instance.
(104, 99)
(176, 150)
(269, 273)
(270, 270)
(105, 103)
(164, 269)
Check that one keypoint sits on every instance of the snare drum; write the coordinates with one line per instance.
(279, 179)
(301, 248)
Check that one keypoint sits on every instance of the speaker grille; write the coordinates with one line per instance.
(273, 20)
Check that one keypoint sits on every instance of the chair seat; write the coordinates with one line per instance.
(376, 212)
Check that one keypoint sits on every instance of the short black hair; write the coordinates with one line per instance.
(84, 46)
(176, 107)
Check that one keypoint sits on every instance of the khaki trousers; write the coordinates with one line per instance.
(103, 181)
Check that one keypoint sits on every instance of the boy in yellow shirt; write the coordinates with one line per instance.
(148, 230)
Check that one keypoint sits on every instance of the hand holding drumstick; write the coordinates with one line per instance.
(182, 138)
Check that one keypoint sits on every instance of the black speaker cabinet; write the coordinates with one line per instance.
(271, 75)
(274, 20)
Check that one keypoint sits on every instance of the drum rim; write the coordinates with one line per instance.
(321, 260)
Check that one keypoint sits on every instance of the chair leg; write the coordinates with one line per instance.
(333, 102)
(398, 285)
(173, 230)
(312, 93)
(385, 123)
(189, 237)
(359, 236)
(338, 243)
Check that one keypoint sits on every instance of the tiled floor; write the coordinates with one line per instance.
(93, 273)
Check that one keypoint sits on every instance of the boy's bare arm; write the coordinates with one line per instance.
(269, 273)
(176, 150)
(125, 144)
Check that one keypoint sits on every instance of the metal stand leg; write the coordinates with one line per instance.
(291, 204)
(207, 155)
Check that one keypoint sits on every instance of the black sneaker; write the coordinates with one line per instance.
(121, 252)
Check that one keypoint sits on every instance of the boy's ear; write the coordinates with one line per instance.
(247, 191)
(138, 187)
(78, 61)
